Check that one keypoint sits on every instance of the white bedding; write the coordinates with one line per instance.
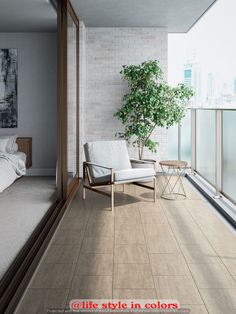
(12, 166)
(22, 156)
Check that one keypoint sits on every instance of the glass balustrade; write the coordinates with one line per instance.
(186, 138)
(229, 154)
(205, 145)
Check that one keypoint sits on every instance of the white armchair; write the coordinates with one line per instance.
(108, 163)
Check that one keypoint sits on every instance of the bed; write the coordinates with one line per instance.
(13, 164)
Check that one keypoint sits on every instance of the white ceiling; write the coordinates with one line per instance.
(39, 15)
(176, 15)
(27, 16)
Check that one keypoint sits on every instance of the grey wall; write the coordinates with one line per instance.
(37, 95)
(104, 51)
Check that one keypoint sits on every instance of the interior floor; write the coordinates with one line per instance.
(180, 250)
(22, 206)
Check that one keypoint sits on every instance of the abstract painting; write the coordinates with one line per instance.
(8, 88)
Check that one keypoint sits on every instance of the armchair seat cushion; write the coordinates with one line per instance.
(133, 174)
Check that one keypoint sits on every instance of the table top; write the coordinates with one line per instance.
(174, 163)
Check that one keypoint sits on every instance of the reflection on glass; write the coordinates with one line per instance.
(205, 149)
(71, 99)
(186, 138)
(173, 142)
(229, 154)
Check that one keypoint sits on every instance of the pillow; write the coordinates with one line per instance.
(11, 140)
(15, 148)
(3, 145)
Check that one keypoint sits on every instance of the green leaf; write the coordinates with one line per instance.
(151, 102)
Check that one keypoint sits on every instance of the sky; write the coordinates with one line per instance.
(212, 40)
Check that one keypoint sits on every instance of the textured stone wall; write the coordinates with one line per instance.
(103, 52)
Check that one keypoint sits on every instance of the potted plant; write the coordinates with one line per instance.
(150, 103)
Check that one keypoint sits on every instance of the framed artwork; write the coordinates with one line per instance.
(8, 88)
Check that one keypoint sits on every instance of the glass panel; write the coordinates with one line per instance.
(210, 72)
(229, 153)
(186, 138)
(173, 142)
(206, 144)
(71, 99)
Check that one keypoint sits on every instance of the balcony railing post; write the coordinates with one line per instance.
(193, 140)
(179, 141)
(218, 152)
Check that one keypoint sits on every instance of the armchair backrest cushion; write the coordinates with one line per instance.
(112, 154)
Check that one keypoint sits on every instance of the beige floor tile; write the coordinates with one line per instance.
(126, 253)
(54, 276)
(203, 214)
(127, 214)
(101, 202)
(69, 237)
(219, 301)
(153, 217)
(188, 234)
(146, 195)
(78, 210)
(150, 207)
(95, 264)
(230, 263)
(157, 230)
(214, 275)
(178, 219)
(129, 233)
(179, 216)
(97, 245)
(162, 245)
(199, 253)
(195, 309)
(125, 199)
(91, 287)
(175, 208)
(61, 254)
(216, 229)
(168, 264)
(39, 301)
(101, 217)
(132, 276)
(139, 222)
(134, 294)
(222, 247)
(99, 230)
(72, 223)
(181, 288)
(197, 206)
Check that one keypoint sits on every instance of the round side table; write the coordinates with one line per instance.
(174, 171)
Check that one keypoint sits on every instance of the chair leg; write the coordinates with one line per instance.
(84, 193)
(155, 189)
(124, 188)
(112, 197)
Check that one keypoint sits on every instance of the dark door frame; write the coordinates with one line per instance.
(69, 10)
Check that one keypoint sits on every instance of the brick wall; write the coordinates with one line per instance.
(104, 51)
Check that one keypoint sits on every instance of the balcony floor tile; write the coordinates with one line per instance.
(142, 250)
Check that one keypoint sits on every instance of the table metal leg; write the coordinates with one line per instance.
(168, 191)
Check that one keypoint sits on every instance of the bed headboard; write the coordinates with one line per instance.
(25, 146)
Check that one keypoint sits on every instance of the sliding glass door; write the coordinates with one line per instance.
(72, 97)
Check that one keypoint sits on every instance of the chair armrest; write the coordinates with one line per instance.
(88, 163)
(142, 161)
(97, 165)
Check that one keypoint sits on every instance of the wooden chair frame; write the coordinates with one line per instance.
(90, 185)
